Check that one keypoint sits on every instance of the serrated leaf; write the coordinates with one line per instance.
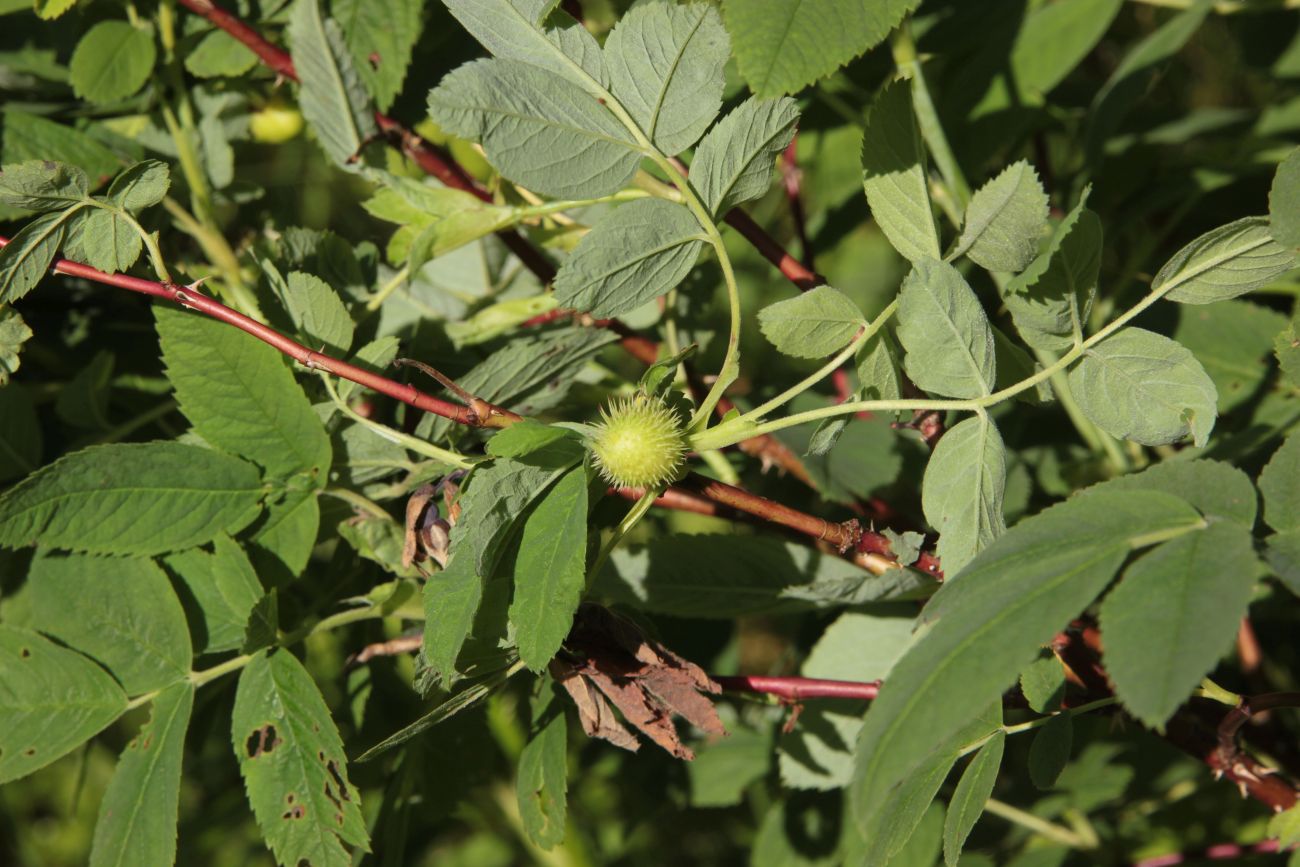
(814, 324)
(1279, 482)
(639, 252)
(13, 334)
(331, 96)
(972, 793)
(41, 185)
(222, 587)
(289, 530)
(540, 130)
(318, 313)
(111, 61)
(137, 818)
(119, 611)
(106, 241)
(542, 785)
(452, 597)
(1005, 220)
(239, 395)
(665, 67)
(20, 432)
(537, 444)
(1049, 752)
(380, 35)
(513, 29)
(733, 163)
(131, 498)
(497, 497)
(978, 632)
(1284, 202)
(1224, 263)
(51, 9)
(1218, 491)
(292, 761)
(54, 699)
(963, 489)
(1174, 614)
(709, 576)
(550, 569)
(29, 137)
(28, 255)
(781, 46)
(1232, 340)
(1049, 302)
(141, 185)
(219, 54)
(894, 174)
(945, 333)
(1282, 551)
(877, 368)
(1142, 386)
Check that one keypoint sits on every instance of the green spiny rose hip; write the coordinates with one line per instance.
(639, 443)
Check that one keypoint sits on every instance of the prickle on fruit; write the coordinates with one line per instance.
(639, 443)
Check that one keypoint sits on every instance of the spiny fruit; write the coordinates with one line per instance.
(639, 442)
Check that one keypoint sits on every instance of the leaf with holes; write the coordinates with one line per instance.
(292, 761)
(54, 700)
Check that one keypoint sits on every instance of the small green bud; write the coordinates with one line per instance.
(639, 443)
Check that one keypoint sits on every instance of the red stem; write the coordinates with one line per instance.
(1219, 852)
(792, 179)
(798, 688)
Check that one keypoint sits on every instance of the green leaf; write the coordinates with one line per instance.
(289, 531)
(1049, 301)
(733, 163)
(451, 600)
(219, 54)
(131, 498)
(1224, 263)
(318, 313)
(106, 241)
(972, 793)
(51, 9)
(1043, 683)
(13, 334)
(119, 611)
(781, 47)
(137, 818)
(374, 356)
(140, 186)
(20, 433)
(1005, 220)
(1284, 202)
(542, 784)
(382, 29)
(538, 444)
(41, 185)
(1142, 386)
(877, 369)
(725, 768)
(540, 130)
(1232, 340)
(639, 252)
(980, 630)
(963, 489)
(331, 96)
(550, 570)
(1282, 551)
(710, 576)
(888, 831)
(29, 137)
(1218, 491)
(1131, 79)
(1050, 751)
(1285, 827)
(263, 627)
(1174, 615)
(814, 324)
(1278, 484)
(26, 259)
(112, 61)
(894, 174)
(944, 332)
(512, 29)
(54, 700)
(239, 395)
(293, 765)
(1286, 346)
(222, 587)
(665, 67)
